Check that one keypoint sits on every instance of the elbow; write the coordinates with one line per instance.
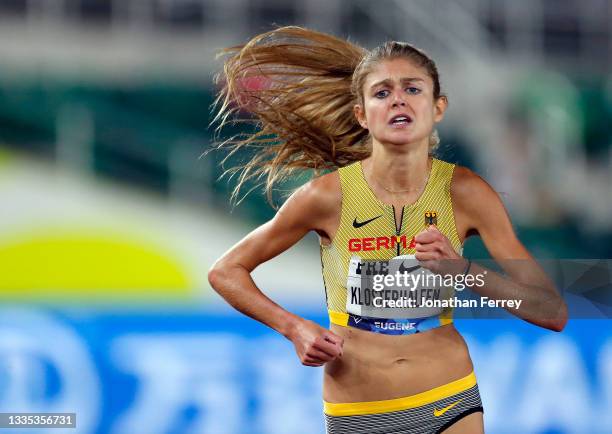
(560, 321)
(223, 276)
(557, 325)
(553, 319)
(216, 276)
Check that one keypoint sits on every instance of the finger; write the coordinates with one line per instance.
(424, 231)
(436, 235)
(312, 363)
(425, 237)
(330, 348)
(327, 347)
(427, 247)
(431, 234)
(309, 357)
(319, 355)
(426, 256)
(336, 340)
(331, 337)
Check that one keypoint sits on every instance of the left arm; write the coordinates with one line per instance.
(478, 209)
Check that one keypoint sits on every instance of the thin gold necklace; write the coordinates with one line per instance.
(407, 190)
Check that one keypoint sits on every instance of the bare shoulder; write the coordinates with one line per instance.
(322, 193)
(316, 202)
(467, 186)
(327, 188)
(475, 202)
(471, 193)
(478, 207)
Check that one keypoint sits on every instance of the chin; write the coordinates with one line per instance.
(402, 140)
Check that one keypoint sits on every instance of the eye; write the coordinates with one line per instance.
(381, 94)
(413, 90)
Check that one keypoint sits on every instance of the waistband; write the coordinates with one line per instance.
(388, 326)
(398, 404)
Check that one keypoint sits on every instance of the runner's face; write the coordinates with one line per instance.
(398, 104)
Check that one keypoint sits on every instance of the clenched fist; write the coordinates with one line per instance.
(314, 344)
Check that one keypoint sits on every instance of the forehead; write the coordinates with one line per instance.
(395, 70)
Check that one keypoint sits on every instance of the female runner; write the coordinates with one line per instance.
(325, 103)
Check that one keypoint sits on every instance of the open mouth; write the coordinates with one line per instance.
(400, 120)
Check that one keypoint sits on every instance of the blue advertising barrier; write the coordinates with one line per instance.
(157, 372)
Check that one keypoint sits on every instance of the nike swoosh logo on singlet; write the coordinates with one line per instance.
(357, 224)
(438, 413)
(403, 269)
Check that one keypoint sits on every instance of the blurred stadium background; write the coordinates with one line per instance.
(110, 220)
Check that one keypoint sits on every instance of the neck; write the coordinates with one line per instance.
(399, 170)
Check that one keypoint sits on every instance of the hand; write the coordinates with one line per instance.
(314, 344)
(435, 252)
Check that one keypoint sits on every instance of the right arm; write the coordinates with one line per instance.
(315, 206)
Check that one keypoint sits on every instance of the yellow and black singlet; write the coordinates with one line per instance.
(369, 241)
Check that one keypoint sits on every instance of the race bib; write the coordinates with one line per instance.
(396, 288)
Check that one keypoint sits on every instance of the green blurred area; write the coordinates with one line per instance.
(136, 131)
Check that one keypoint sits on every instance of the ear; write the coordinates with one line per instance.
(360, 115)
(440, 108)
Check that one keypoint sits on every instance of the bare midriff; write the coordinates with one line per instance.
(376, 367)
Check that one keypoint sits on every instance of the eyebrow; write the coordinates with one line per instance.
(388, 82)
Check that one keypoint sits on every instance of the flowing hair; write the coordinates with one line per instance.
(299, 88)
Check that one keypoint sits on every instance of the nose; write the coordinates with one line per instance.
(398, 101)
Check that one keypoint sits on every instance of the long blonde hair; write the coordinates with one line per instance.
(299, 87)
